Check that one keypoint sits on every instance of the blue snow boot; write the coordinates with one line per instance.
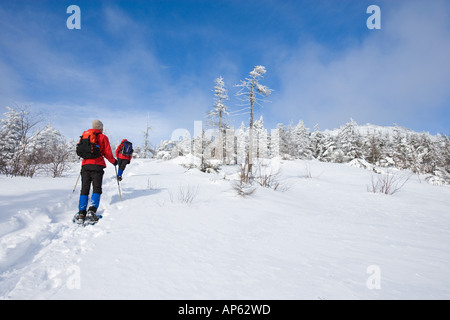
(82, 205)
(119, 175)
(91, 216)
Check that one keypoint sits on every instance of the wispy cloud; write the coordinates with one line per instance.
(123, 86)
(395, 74)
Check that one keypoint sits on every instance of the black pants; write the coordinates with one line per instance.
(123, 163)
(91, 174)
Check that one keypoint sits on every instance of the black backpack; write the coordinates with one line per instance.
(127, 148)
(87, 147)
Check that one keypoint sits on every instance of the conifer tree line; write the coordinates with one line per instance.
(395, 147)
(26, 149)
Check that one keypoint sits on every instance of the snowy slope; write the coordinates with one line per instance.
(315, 240)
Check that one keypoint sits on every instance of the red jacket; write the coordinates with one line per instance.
(105, 149)
(119, 155)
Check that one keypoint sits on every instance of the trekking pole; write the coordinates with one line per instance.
(78, 179)
(118, 185)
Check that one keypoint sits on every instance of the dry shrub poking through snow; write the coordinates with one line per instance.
(388, 183)
(269, 176)
(244, 186)
(186, 194)
(266, 175)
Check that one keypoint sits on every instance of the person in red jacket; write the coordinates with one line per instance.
(92, 173)
(124, 153)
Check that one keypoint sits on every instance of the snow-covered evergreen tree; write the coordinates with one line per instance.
(216, 116)
(445, 147)
(241, 144)
(284, 142)
(317, 143)
(372, 145)
(350, 142)
(426, 155)
(185, 144)
(301, 141)
(230, 146)
(400, 148)
(331, 151)
(10, 141)
(274, 143)
(203, 150)
(166, 150)
(260, 141)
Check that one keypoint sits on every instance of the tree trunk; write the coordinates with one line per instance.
(250, 133)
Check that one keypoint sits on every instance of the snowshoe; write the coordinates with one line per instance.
(79, 218)
(91, 218)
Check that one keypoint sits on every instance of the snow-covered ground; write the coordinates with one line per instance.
(323, 237)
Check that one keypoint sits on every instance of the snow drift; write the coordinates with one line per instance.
(183, 234)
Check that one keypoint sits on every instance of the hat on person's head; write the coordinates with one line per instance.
(97, 124)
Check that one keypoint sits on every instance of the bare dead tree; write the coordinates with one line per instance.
(250, 89)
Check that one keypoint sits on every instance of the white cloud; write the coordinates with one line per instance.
(72, 120)
(394, 75)
(10, 88)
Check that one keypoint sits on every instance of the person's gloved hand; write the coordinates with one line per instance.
(115, 163)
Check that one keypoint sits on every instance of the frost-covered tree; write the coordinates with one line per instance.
(201, 147)
(425, 154)
(331, 151)
(185, 144)
(16, 130)
(283, 142)
(250, 93)
(260, 142)
(274, 143)
(386, 148)
(216, 116)
(317, 143)
(241, 144)
(301, 141)
(230, 146)
(400, 149)
(372, 145)
(147, 150)
(49, 151)
(25, 149)
(445, 147)
(166, 150)
(10, 140)
(350, 142)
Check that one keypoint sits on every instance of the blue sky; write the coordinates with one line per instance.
(157, 60)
